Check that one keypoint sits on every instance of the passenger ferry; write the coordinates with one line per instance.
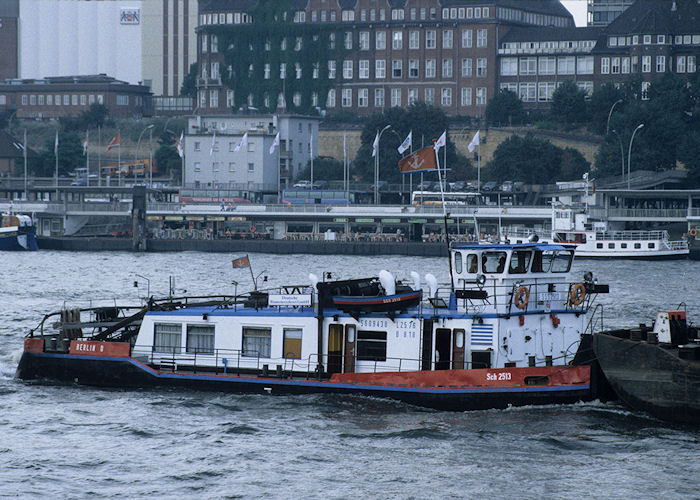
(508, 329)
(17, 232)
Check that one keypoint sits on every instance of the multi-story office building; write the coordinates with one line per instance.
(9, 28)
(603, 12)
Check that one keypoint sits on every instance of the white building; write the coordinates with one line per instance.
(211, 159)
(147, 41)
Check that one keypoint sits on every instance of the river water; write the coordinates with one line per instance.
(79, 442)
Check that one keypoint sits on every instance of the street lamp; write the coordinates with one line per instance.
(607, 127)
(376, 166)
(138, 143)
(150, 158)
(622, 154)
(629, 154)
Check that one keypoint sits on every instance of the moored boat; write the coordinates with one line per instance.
(17, 233)
(657, 369)
(506, 330)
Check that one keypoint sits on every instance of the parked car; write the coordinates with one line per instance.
(458, 186)
(489, 186)
(303, 184)
(320, 185)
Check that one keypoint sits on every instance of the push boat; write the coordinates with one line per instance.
(655, 369)
(17, 232)
(510, 328)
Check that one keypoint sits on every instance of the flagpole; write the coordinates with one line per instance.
(279, 174)
(312, 161)
(444, 215)
(119, 160)
(24, 150)
(99, 155)
(55, 153)
(87, 156)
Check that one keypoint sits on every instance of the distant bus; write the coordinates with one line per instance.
(297, 196)
(128, 169)
(452, 199)
(196, 195)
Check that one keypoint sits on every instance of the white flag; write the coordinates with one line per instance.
(243, 143)
(180, 149)
(86, 141)
(375, 145)
(275, 143)
(55, 145)
(213, 142)
(474, 143)
(441, 141)
(311, 147)
(406, 143)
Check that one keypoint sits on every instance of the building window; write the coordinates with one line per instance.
(74, 99)
(380, 68)
(566, 65)
(447, 39)
(587, 87)
(397, 40)
(291, 348)
(213, 98)
(251, 167)
(481, 96)
(256, 342)
(414, 40)
(528, 92)
(364, 40)
(545, 90)
(346, 100)
(362, 98)
(429, 96)
(331, 70)
(363, 69)
(605, 65)
(91, 99)
(204, 43)
(32, 100)
(347, 15)
(430, 68)
(466, 96)
(528, 65)
(297, 71)
(481, 37)
(347, 69)
(167, 338)
(646, 64)
(100, 99)
(691, 64)
(584, 65)
(371, 346)
(615, 65)
(467, 67)
(380, 41)
(430, 39)
(347, 41)
(547, 65)
(447, 68)
(660, 64)
(397, 14)
(66, 99)
(680, 64)
(626, 65)
(330, 99)
(446, 97)
(413, 68)
(378, 98)
(122, 100)
(647, 39)
(396, 68)
(467, 39)
(395, 97)
(481, 67)
(412, 96)
(49, 100)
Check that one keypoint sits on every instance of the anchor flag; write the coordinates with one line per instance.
(243, 143)
(423, 159)
(241, 262)
(406, 143)
(474, 143)
(113, 142)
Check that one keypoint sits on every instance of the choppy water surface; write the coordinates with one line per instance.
(76, 442)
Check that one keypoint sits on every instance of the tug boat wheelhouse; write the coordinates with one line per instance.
(17, 233)
(507, 330)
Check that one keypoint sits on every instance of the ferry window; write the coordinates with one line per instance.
(371, 346)
(168, 338)
(473, 263)
(637, 246)
(292, 343)
(623, 245)
(561, 263)
(256, 342)
(611, 245)
(493, 262)
(458, 262)
(200, 339)
(519, 262)
(652, 245)
(599, 245)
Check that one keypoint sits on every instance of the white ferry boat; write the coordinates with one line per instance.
(507, 330)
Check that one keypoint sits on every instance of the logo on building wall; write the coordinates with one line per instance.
(130, 16)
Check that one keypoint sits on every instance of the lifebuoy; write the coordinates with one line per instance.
(252, 228)
(693, 232)
(578, 293)
(521, 298)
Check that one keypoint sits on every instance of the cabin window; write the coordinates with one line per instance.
(599, 245)
(292, 343)
(611, 245)
(519, 262)
(256, 342)
(200, 339)
(652, 245)
(637, 246)
(561, 262)
(493, 262)
(167, 338)
(472, 263)
(623, 245)
(371, 346)
(552, 261)
(458, 262)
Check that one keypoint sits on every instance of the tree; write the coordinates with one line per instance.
(505, 108)
(93, 117)
(189, 83)
(602, 101)
(70, 155)
(569, 103)
(327, 169)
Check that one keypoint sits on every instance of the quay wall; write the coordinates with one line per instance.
(260, 246)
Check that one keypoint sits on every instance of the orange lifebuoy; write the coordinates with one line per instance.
(578, 293)
(521, 297)
(252, 228)
(693, 232)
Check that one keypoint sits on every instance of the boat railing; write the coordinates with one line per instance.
(632, 235)
(595, 320)
(678, 245)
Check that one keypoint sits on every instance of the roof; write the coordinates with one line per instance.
(550, 33)
(550, 7)
(513, 246)
(10, 147)
(658, 17)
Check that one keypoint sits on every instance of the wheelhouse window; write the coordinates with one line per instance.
(256, 342)
(472, 263)
(371, 346)
(519, 262)
(555, 261)
(167, 337)
(200, 339)
(292, 343)
(458, 262)
(493, 262)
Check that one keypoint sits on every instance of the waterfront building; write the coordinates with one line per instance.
(217, 155)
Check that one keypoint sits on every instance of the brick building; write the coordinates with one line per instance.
(69, 95)
(9, 29)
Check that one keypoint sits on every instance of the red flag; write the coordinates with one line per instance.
(241, 262)
(113, 142)
(423, 159)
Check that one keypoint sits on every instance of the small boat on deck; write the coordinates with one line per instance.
(17, 232)
(656, 370)
(509, 328)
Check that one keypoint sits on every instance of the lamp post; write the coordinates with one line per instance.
(376, 166)
(150, 158)
(138, 143)
(622, 154)
(607, 127)
(629, 154)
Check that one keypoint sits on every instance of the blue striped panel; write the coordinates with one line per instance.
(482, 334)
